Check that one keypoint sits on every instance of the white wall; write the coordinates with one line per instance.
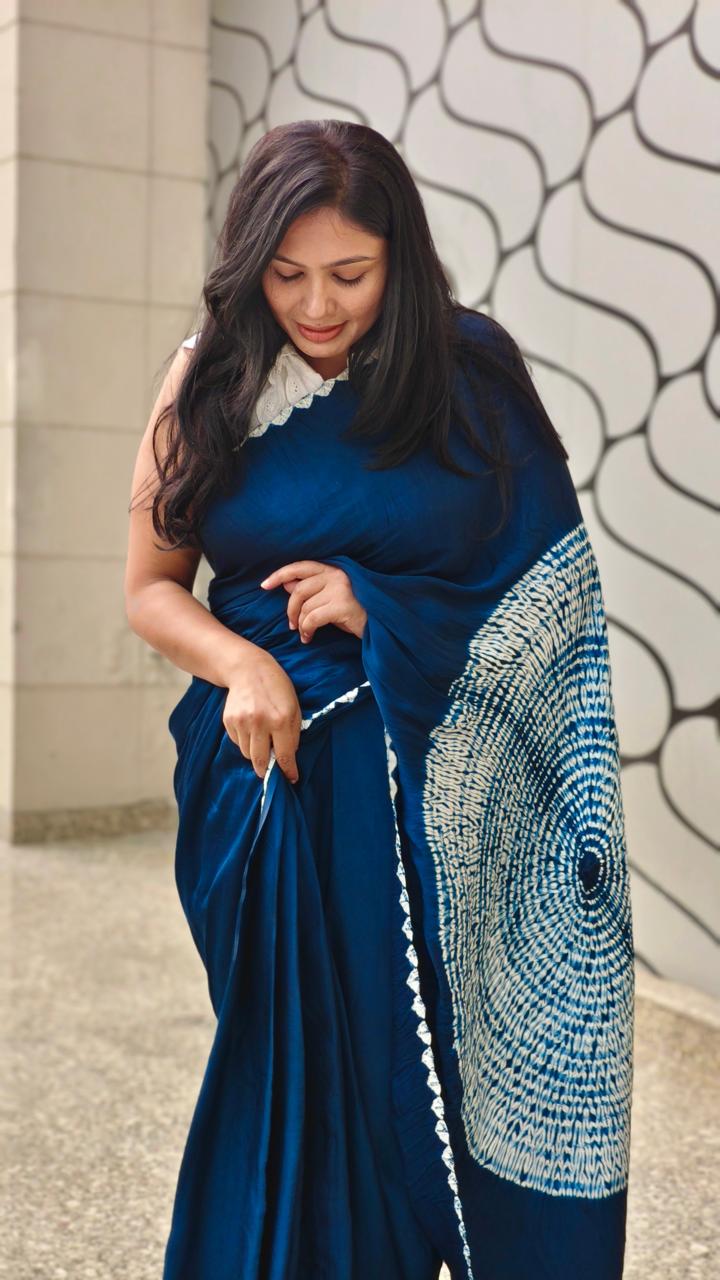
(568, 158)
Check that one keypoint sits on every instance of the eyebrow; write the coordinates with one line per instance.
(341, 262)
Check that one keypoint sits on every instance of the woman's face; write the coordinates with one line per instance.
(327, 273)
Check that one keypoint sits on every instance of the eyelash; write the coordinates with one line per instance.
(288, 279)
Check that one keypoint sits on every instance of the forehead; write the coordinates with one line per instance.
(324, 235)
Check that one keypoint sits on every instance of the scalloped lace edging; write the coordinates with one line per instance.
(289, 382)
(304, 402)
(413, 980)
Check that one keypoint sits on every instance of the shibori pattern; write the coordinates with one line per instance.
(413, 980)
(523, 813)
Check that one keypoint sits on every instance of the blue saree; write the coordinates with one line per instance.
(420, 956)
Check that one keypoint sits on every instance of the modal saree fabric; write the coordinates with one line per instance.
(420, 956)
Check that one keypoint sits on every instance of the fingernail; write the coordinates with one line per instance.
(292, 626)
(262, 584)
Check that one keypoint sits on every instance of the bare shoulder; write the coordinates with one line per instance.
(167, 393)
(148, 559)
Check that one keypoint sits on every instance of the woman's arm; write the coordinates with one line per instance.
(261, 711)
(159, 602)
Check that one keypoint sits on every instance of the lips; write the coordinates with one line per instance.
(320, 335)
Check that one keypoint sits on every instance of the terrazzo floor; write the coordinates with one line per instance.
(106, 1028)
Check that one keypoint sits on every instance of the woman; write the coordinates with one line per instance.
(401, 845)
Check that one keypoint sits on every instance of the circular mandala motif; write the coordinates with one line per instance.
(523, 814)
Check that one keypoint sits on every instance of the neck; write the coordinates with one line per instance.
(326, 366)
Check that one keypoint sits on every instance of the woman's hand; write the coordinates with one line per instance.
(319, 593)
(262, 710)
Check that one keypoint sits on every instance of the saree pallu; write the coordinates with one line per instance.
(420, 956)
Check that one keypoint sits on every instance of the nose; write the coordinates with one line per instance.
(315, 304)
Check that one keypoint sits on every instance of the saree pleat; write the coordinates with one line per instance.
(295, 1106)
(419, 956)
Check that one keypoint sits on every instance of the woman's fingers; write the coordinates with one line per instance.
(294, 569)
(285, 744)
(318, 616)
(259, 747)
(283, 741)
(240, 737)
(303, 589)
(317, 585)
(262, 715)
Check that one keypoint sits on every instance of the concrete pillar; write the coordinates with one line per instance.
(102, 255)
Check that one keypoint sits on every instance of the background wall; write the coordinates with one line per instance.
(102, 205)
(567, 155)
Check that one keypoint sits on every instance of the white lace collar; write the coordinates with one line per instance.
(291, 384)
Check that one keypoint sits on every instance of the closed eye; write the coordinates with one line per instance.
(340, 279)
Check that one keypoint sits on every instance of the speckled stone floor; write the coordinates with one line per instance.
(106, 1030)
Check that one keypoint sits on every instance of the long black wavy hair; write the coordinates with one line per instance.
(407, 392)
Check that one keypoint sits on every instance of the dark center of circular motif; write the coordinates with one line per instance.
(589, 869)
